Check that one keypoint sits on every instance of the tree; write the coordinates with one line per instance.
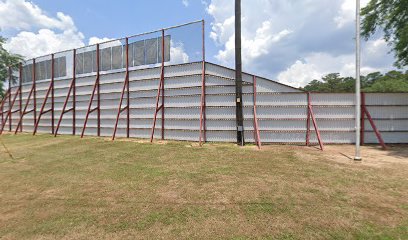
(392, 17)
(7, 60)
(393, 81)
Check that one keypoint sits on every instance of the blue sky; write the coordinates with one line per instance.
(290, 41)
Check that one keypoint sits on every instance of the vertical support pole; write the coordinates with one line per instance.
(52, 94)
(34, 94)
(49, 91)
(71, 88)
(10, 72)
(128, 90)
(125, 88)
(257, 136)
(357, 156)
(308, 120)
(73, 94)
(98, 91)
(238, 75)
(203, 134)
(362, 121)
(20, 105)
(162, 91)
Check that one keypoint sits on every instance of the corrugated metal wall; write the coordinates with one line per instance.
(282, 110)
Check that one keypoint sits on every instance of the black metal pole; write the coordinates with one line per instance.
(238, 75)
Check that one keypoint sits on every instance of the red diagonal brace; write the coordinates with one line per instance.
(31, 94)
(257, 136)
(3, 100)
(9, 112)
(50, 90)
(125, 88)
(203, 125)
(370, 119)
(72, 88)
(310, 114)
(96, 88)
(160, 91)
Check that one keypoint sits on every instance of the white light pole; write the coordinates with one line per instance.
(357, 156)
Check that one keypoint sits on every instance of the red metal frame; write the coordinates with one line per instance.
(98, 107)
(10, 104)
(50, 90)
(310, 114)
(160, 91)
(125, 88)
(257, 136)
(31, 94)
(72, 88)
(203, 126)
(362, 122)
(3, 100)
(20, 107)
(364, 111)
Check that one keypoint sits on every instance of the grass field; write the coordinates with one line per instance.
(72, 188)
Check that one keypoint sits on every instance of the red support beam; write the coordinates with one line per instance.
(20, 105)
(10, 72)
(257, 136)
(362, 119)
(32, 93)
(96, 88)
(10, 108)
(376, 131)
(310, 111)
(125, 88)
(64, 108)
(308, 120)
(49, 91)
(160, 92)
(203, 126)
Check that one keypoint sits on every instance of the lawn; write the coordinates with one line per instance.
(93, 188)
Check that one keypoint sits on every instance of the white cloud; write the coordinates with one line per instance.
(294, 41)
(178, 54)
(24, 15)
(347, 12)
(185, 3)
(316, 65)
(95, 40)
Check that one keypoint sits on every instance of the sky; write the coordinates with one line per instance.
(289, 41)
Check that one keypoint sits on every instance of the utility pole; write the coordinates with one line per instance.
(357, 156)
(238, 75)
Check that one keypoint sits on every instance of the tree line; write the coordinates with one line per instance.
(392, 81)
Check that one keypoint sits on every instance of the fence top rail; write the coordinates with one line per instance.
(119, 39)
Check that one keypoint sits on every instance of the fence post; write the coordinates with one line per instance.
(257, 136)
(203, 134)
(308, 119)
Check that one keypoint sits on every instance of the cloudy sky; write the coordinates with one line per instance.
(290, 41)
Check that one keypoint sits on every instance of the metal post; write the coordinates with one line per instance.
(73, 95)
(52, 94)
(362, 119)
(34, 94)
(128, 90)
(202, 110)
(308, 120)
(257, 136)
(71, 88)
(357, 156)
(20, 105)
(10, 72)
(238, 75)
(98, 90)
(162, 92)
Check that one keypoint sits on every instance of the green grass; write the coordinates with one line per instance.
(93, 188)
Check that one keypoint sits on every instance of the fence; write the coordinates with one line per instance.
(158, 85)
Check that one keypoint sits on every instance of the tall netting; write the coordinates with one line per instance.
(186, 43)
